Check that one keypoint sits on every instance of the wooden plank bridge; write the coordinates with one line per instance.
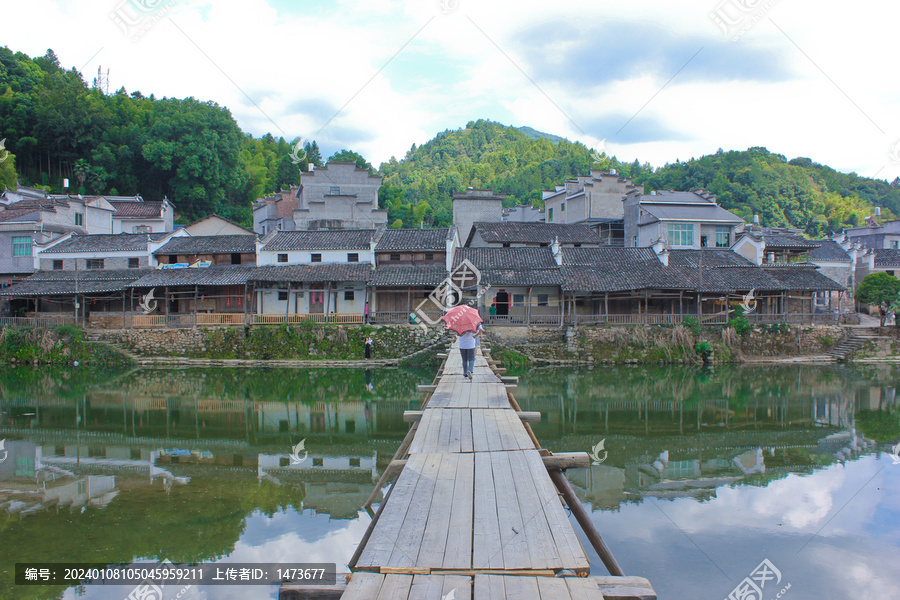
(475, 512)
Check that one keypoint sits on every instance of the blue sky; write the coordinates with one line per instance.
(658, 81)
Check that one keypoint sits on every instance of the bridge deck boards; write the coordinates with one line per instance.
(474, 499)
(369, 586)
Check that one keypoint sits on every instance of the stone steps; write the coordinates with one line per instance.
(854, 339)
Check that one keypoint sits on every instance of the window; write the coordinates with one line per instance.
(349, 295)
(282, 296)
(79, 219)
(235, 258)
(57, 265)
(429, 256)
(334, 191)
(895, 245)
(354, 462)
(263, 229)
(543, 299)
(350, 426)
(518, 299)
(94, 263)
(315, 258)
(549, 214)
(173, 258)
(134, 263)
(681, 234)
(318, 462)
(634, 241)
(282, 257)
(723, 237)
(142, 229)
(21, 246)
(352, 257)
(395, 257)
(562, 207)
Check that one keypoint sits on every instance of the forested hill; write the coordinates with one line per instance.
(484, 155)
(56, 126)
(518, 164)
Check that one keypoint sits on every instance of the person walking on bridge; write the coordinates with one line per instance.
(467, 342)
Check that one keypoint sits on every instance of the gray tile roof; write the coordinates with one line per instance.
(55, 283)
(617, 269)
(217, 275)
(536, 233)
(430, 276)
(119, 242)
(507, 258)
(209, 244)
(802, 279)
(828, 251)
(512, 266)
(707, 213)
(314, 273)
(413, 239)
(132, 209)
(886, 257)
(321, 239)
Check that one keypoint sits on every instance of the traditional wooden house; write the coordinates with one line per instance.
(208, 250)
(529, 235)
(522, 284)
(410, 264)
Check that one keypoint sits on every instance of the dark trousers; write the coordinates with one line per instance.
(368, 350)
(468, 359)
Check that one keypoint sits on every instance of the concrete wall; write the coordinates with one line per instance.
(304, 257)
(300, 300)
(355, 204)
(110, 262)
(10, 264)
(468, 210)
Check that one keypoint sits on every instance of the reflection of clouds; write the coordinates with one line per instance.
(855, 552)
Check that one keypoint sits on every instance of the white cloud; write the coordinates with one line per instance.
(836, 102)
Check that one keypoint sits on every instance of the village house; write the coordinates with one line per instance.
(523, 235)
(29, 222)
(409, 265)
(337, 267)
(336, 196)
(135, 215)
(523, 284)
(595, 200)
(681, 219)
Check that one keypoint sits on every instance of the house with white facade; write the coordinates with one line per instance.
(682, 220)
(135, 215)
(595, 199)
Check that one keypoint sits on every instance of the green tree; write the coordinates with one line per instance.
(352, 157)
(879, 289)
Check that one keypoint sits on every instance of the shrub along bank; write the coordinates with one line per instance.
(58, 345)
(303, 341)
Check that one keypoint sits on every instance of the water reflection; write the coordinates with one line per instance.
(268, 465)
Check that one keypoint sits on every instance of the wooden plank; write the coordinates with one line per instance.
(363, 586)
(384, 536)
(571, 552)
(458, 551)
(480, 438)
(426, 388)
(434, 539)
(522, 588)
(486, 548)
(412, 528)
(395, 587)
(622, 588)
(539, 539)
(466, 441)
(411, 416)
(512, 530)
(442, 440)
(553, 588)
(437, 587)
(585, 588)
(524, 416)
(490, 587)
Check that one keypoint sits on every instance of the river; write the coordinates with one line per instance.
(701, 474)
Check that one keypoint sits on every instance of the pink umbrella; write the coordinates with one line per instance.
(462, 318)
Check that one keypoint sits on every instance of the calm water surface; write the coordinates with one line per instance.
(704, 474)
